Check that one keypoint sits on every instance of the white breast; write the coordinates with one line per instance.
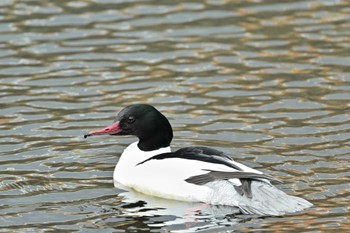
(164, 177)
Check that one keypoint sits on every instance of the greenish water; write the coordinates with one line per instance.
(266, 82)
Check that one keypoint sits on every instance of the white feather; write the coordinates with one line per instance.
(166, 178)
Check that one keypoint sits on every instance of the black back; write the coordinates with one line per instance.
(203, 154)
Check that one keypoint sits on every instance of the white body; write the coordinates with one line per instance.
(165, 178)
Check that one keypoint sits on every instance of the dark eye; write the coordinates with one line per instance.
(131, 119)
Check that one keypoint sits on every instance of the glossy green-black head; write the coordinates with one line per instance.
(143, 121)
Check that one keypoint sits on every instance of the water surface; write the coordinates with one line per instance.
(266, 82)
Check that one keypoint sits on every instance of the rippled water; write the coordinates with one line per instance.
(264, 81)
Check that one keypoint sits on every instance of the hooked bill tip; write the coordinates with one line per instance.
(86, 135)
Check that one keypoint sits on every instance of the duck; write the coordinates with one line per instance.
(191, 174)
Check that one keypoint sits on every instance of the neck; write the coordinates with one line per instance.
(154, 142)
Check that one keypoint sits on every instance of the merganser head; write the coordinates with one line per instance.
(143, 121)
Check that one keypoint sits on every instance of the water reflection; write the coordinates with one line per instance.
(177, 215)
(266, 82)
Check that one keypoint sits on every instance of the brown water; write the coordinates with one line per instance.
(264, 81)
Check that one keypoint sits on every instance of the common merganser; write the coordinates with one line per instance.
(196, 174)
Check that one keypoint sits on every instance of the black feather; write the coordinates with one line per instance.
(245, 177)
(203, 154)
